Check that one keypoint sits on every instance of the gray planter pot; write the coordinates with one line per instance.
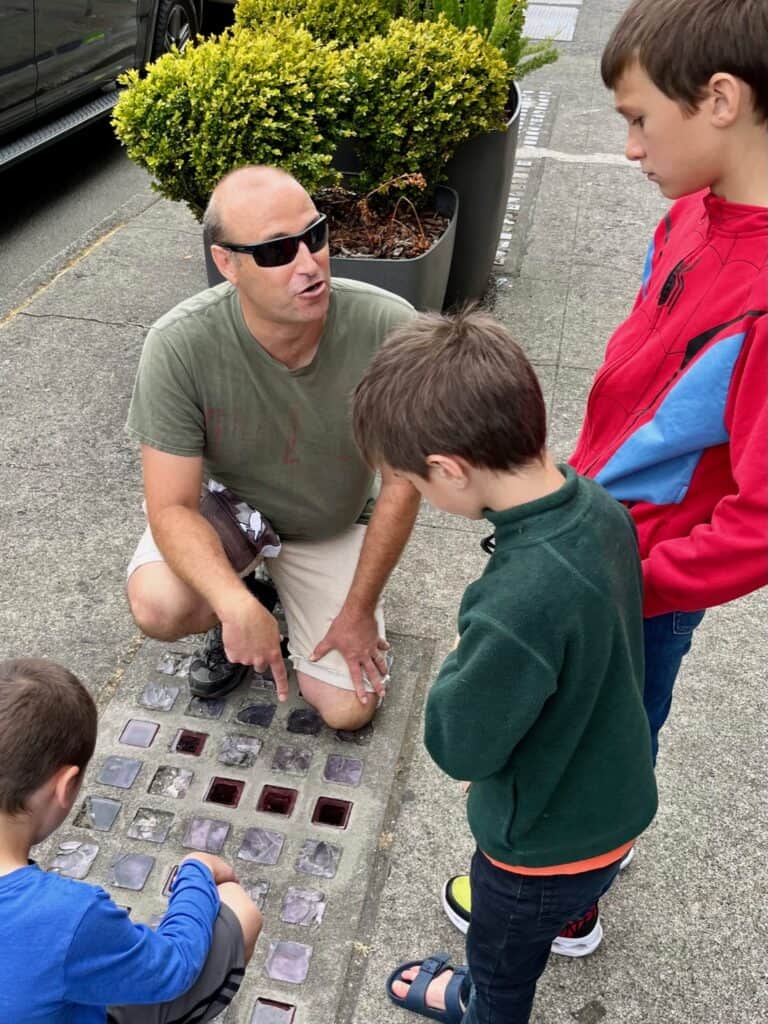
(421, 280)
(481, 173)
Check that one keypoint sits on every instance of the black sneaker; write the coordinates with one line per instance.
(211, 673)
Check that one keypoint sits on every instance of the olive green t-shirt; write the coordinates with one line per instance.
(280, 439)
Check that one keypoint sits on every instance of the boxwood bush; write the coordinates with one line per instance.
(274, 97)
(345, 21)
(417, 92)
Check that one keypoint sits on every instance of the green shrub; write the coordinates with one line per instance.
(501, 21)
(274, 97)
(345, 21)
(418, 92)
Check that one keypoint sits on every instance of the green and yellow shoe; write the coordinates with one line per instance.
(457, 901)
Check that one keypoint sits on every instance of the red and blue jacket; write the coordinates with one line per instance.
(676, 424)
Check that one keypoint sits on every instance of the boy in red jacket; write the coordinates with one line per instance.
(676, 426)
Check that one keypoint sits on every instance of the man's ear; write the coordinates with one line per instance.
(66, 785)
(226, 263)
(727, 97)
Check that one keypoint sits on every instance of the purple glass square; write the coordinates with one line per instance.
(261, 846)
(98, 812)
(318, 858)
(200, 708)
(303, 906)
(346, 771)
(130, 870)
(257, 714)
(175, 663)
(206, 834)
(170, 781)
(288, 961)
(158, 697)
(119, 771)
(239, 750)
(360, 737)
(267, 1011)
(152, 826)
(291, 759)
(138, 733)
(74, 859)
(257, 891)
(304, 721)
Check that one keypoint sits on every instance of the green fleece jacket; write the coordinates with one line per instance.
(540, 706)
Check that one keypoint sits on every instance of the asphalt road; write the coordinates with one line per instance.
(55, 197)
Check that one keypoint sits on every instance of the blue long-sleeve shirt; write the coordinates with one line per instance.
(67, 951)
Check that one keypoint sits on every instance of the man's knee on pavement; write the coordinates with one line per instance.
(163, 607)
(340, 709)
(245, 910)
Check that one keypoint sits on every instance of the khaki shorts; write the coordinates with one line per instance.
(214, 989)
(313, 578)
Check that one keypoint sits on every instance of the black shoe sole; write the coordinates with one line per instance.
(209, 691)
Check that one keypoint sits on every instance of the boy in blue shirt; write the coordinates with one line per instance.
(69, 952)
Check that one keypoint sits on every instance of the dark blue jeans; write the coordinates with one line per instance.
(514, 920)
(667, 641)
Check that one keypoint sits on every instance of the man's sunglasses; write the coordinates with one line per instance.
(278, 252)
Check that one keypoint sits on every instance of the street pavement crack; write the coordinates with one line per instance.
(85, 319)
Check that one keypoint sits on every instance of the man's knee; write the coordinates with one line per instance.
(340, 709)
(245, 910)
(163, 607)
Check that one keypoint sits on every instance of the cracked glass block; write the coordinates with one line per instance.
(291, 759)
(261, 846)
(170, 880)
(130, 870)
(257, 714)
(288, 961)
(74, 858)
(257, 891)
(152, 826)
(239, 750)
(267, 1011)
(175, 663)
(305, 721)
(170, 781)
(98, 812)
(206, 834)
(318, 858)
(361, 737)
(158, 697)
(346, 771)
(263, 681)
(119, 771)
(188, 742)
(201, 708)
(303, 906)
(138, 733)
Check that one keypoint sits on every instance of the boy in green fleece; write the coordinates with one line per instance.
(540, 704)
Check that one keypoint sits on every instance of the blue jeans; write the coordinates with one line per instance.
(667, 641)
(514, 920)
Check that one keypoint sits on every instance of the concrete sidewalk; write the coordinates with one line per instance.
(684, 932)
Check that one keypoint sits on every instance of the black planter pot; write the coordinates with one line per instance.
(421, 280)
(481, 173)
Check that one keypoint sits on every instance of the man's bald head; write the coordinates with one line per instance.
(242, 189)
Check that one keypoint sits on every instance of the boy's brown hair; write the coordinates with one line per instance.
(457, 385)
(47, 720)
(680, 44)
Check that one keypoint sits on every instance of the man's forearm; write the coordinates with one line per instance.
(193, 550)
(387, 534)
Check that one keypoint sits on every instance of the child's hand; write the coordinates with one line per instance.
(221, 871)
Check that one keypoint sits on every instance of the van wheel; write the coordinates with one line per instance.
(176, 26)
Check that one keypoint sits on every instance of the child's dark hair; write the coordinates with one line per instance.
(47, 720)
(450, 385)
(681, 43)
